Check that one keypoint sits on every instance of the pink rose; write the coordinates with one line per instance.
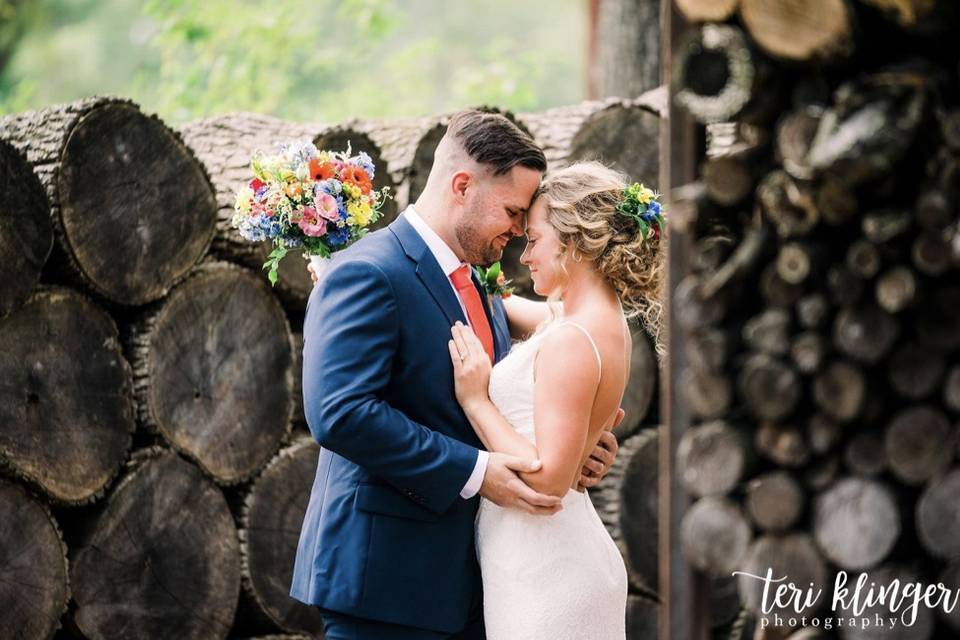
(311, 224)
(327, 207)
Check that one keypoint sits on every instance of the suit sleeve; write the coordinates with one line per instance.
(351, 333)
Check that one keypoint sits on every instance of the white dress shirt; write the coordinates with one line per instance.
(449, 262)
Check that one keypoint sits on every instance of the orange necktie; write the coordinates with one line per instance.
(475, 313)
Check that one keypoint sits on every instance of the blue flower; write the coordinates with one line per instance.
(337, 236)
(331, 187)
(291, 241)
(654, 206)
(366, 163)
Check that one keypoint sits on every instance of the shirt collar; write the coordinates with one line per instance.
(446, 258)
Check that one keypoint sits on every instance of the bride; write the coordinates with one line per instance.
(561, 576)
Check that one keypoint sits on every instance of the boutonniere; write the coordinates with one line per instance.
(495, 283)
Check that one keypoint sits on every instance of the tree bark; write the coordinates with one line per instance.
(152, 568)
(629, 47)
(869, 128)
(107, 170)
(638, 397)
(26, 233)
(66, 404)
(626, 501)
(225, 144)
(218, 335)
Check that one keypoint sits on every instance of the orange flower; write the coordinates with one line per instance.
(357, 177)
(320, 170)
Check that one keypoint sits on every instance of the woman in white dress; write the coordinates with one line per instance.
(560, 576)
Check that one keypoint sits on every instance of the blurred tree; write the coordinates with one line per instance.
(324, 60)
(625, 47)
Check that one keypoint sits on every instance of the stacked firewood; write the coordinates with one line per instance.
(155, 460)
(820, 310)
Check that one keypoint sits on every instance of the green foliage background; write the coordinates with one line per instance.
(320, 60)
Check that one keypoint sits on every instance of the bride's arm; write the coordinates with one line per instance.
(524, 315)
(565, 362)
(471, 374)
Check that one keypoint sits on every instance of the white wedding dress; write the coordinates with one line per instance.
(545, 577)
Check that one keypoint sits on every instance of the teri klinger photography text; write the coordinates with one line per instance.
(383, 319)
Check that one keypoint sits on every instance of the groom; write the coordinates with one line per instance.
(386, 549)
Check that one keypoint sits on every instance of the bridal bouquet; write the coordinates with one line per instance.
(300, 197)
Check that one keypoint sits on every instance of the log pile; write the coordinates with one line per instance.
(152, 439)
(819, 307)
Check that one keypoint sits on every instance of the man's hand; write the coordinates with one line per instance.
(503, 487)
(598, 464)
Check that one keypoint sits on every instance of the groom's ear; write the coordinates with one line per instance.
(459, 183)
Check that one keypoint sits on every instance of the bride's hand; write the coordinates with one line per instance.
(471, 365)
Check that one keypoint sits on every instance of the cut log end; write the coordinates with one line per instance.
(113, 167)
(150, 567)
(856, 523)
(66, 439)
(194, 368)
(272, 516)
(34, 584)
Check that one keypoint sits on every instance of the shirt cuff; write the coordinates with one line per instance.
(475, 481)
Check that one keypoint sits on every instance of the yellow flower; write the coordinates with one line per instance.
(244, 200)
(351, 190)
(359, 213)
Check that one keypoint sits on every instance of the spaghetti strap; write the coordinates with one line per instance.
(593, 344)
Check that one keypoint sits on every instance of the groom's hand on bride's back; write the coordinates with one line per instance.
(598, 464)
(503, 487)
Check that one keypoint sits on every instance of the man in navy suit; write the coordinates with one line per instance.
(387, 548)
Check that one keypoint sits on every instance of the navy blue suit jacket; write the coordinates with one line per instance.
(386, 535)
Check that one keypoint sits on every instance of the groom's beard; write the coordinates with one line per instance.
(475, 250)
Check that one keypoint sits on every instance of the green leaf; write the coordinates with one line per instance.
(493, 272)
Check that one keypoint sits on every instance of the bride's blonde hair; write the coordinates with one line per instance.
(581, 202)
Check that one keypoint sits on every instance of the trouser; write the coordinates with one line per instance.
(338, 626)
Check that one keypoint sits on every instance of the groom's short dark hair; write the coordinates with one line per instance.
(492, 139)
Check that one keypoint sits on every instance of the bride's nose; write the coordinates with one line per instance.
(525, 256)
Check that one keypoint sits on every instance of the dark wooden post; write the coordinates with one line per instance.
(683, 593)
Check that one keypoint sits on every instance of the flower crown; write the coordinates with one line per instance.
(641, 204)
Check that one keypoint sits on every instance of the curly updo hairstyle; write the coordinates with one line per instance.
(581, 202)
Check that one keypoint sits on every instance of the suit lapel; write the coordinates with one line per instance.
(428, 270)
